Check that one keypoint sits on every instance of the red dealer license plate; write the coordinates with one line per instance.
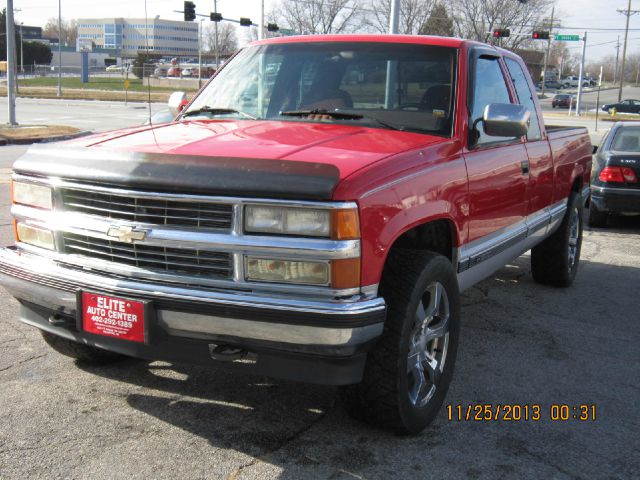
(113, 317)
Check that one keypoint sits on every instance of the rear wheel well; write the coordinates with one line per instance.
(436, 236)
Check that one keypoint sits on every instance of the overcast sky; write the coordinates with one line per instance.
(584, 14)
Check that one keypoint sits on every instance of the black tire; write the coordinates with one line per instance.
(597, 219)
(383, 397)
(551, 262)
(83, 353)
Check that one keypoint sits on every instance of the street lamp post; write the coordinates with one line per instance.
(200, 53)
(59, 48)
(21, 50)
(11, 66)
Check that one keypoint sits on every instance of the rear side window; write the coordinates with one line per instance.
(525, 97)
(627, 139)
(488, 87)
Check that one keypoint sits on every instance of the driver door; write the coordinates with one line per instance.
(497, 166)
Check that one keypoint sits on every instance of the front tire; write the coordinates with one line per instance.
(83, 353)
(555, 261)
(408, 372)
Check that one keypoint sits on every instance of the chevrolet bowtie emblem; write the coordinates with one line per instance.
(127, 234)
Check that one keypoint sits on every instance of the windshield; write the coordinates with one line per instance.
(400, 86)
(627, 139)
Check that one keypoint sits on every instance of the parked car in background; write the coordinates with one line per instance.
(574, 81)
(593, 82)
(625, 106)
(550, 84)
(118, 68)
(190, 72)
(564, 100)
(615, 177)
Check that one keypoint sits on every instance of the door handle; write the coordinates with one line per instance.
(524, 164)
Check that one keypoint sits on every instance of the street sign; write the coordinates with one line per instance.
(567, 38)
(126, 84)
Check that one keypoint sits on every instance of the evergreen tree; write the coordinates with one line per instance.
(438, 23)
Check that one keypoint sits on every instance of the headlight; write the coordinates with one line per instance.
(38, 237)
(287, 220)
(339, 224)
(285, 271)
(33, 195)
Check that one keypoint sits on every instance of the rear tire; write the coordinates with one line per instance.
(408, 372)
(555, 261)
(597, 219)
(83, 353)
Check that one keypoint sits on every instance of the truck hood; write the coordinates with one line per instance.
(286, 159)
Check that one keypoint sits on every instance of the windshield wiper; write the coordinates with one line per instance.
(339, 116)
(216, 111)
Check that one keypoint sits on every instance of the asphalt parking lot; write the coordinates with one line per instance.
(522, 343)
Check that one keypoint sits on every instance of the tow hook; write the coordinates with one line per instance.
(57, 320)
(225, 352)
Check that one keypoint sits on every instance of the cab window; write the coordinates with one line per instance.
(525, 96)
(488, 87)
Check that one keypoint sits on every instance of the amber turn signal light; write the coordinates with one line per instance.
(345, 273)
(345, 224)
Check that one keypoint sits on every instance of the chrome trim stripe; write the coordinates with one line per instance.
(161, 236)
(11, 260)
(622, 191)
(192, 325)
(482, 249)
(107, 268)
(187, 324)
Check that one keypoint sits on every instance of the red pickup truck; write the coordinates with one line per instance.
(312, 214)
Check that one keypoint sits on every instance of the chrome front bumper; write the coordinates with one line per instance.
(289, 322)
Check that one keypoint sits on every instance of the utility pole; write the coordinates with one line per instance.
(21, 50)
(392, 65)
(546, 56)
(615, 72)
(200, 53)
(628, 12)
(581, 76)
(261, 22)
(394, 18)
(11, 64)
(215, 32)
(59, 48)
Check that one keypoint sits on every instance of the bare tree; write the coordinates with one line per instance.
(69, 30)
(476, 19)
(413, 15)
(318, 16)
(227, 38)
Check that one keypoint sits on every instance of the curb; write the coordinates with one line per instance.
(56, 138)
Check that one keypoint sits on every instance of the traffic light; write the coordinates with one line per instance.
(215, 17)
(501, 32)
(189, 11)
(540, 35)
(272, 27)
(245, 22)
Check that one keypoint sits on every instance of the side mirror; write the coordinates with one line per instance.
(595, 149)
(177, 102)
(506, 120)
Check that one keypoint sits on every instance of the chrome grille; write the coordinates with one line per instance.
(148, 210)
(178, 261)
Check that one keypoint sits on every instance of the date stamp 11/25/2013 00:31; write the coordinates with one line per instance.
(513, 412)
